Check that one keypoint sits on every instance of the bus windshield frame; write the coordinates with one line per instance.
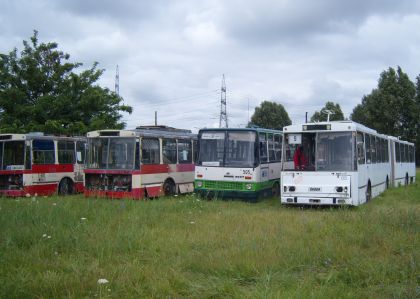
(228, 148)
(12, 155)
(111, 153)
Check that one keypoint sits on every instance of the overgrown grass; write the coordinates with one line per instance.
(185, 247)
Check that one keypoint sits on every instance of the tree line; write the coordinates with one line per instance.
(42, 90)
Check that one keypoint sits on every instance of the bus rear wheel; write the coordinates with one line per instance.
(368, 192)
(169, 188)
(65, 187)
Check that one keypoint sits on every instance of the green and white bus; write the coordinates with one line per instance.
(238, 163)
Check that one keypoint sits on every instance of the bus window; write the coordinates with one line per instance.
(277, 146)
(271, 151)
(378, 149)
(263, 148)
(150, 151)
(121, 153)
(240, 149)
(372, 149)
(334, 151)
(65, 151)
(137, 155)
(360, 149)
(43, 151)
(169, 151)
(184, 151)
(411, 153)
(368, 150)
(13, 154)
(387, 150)
(397, 152)
(195, 151)
(80, 152)
(28, 161)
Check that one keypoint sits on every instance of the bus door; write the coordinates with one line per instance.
(363, 162)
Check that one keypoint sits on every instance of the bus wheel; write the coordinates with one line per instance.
(406, 179)
(169, 188)
(65, 187)
(368, 192)
(275, 191)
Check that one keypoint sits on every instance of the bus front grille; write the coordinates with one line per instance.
(223, 185)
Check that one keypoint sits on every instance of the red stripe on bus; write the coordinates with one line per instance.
(44, 189)
(146, 169)
(154, 168)
(185, 167)
(52, 168)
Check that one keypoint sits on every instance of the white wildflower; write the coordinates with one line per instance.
(54, 203)
(83, 218)
(27, 195)
(44, 235)
(36, 194)
(192, 222)
(49, 237)
(102, 281)
(176, 195)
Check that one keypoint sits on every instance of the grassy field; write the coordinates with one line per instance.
(184, 247)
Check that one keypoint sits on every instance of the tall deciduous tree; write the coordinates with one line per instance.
(270, 115)
(322, 116)
(391, 108)
(40, 91)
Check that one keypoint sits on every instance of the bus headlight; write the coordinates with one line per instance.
(248, 186)
(292, 189)
(199, 184)
(339, 189)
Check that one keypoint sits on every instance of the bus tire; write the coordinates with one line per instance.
(275, 191)
(65, 187)
(169, 187)
(368, 192)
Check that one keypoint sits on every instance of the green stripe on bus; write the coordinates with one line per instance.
(234, 186)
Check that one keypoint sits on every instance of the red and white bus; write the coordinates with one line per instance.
(145, 162)
(37, 164)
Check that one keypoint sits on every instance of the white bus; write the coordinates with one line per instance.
(40, 164)
(342, 162)
(238, 163)
(145, 162)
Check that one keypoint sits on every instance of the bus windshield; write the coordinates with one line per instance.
(111, 153)
(12, 155)
(322, 151)
(231, 149)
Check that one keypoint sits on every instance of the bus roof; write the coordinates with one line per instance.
(242, 129)
(37, 135)
(143, 132)
(336, 126)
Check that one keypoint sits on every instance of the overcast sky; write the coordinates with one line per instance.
(172, 54)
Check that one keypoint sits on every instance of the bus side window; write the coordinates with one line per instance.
(43, 151)
(195, 150)
(378, 150)
(271, 149)
(406, 153)
(184, 151)
(386, 150)
(137, 155)
(372, 149)
(368, 149)
(277, 146)
(263, 148)
(66, 150)
(169, 151)
(360, 149)
(150, 153)
(397, 152)
(80, 152)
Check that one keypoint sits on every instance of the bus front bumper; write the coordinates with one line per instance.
(300, 200)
